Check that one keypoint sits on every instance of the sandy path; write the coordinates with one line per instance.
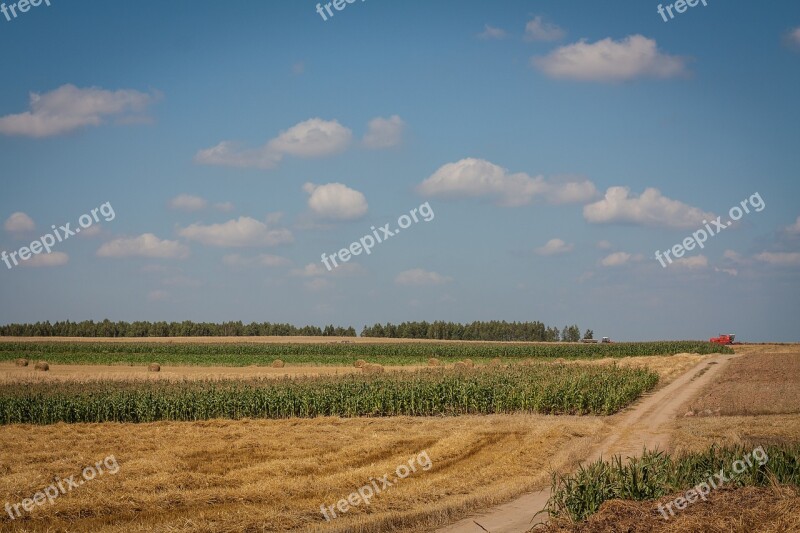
(643, 425)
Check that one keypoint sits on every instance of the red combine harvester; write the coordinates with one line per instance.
(724, 338)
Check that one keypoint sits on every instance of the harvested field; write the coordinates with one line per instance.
(668, 367)
(273, 475)
(692, 434)
(764, 380)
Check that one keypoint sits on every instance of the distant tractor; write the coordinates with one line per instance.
(607, 340)
(724, 338)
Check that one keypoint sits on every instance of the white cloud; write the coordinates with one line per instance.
(318, 269)
(480, 178)
(241, 232)
(68, 108)
(610, 61)
(261, 260)
(539, 30)
(793, 38)
(146, 245)
(187, 202)
(157, 296)
(794, 229)
(729, 271)
(312, 138)
(420, 277)
(616, 259)
(780, 258)
(555, 247)
(19, 223)
(490, 32)
(650, 209)
(384, 132)
(335, 201)
(47, 260)
(692, 263)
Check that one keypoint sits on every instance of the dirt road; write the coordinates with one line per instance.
(642, 425)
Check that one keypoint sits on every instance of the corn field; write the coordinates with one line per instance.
(246, 354)
(549, 389)
(575, 497)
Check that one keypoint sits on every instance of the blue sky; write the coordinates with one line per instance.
(559, 144)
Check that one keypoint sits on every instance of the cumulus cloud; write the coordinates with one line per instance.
(335, 201)
(420, 277)
(68, 108)
(146, 245)
(794, 229)
(261, 260)
(779, 258)
(793, 38)
(650, 209)
(555, 247)
(19, 223)
(610, 61)
(695, 262)
(480, 178)
(52, 259)
(313, 138)
(317, 269)
(237, 233)
(729, 271)
(384, 132)
(539, 30)
(187, 202)
(490, 32)
(616, 259)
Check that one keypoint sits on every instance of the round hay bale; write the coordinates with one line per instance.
(21, 362)
(460, 365)
(154, 367)
(433, 362)
(360, 363)
(42, 366)
(277, 363)
(469, 363)
(369, 368)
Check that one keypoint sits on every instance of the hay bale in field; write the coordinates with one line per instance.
(360, 363)
(154, 367)
(21, 362)
(369, 368)
(469, 363)
(460, 365)
(433, 362)
(42, 366)
(277, 363)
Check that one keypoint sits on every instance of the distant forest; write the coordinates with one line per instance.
(439, 330)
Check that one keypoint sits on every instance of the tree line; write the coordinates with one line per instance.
(187, 328)
(439, 330)
(476, 331)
